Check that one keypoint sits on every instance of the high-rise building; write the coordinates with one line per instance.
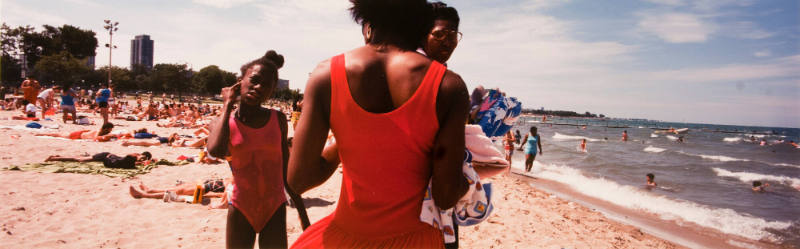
(90, 61)
(142, 51)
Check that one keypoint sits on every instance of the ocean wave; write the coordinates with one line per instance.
(653, 135)
(787, 165)
(562, 137)
(749, 177)
(725, 220)
(755, 135)
(671, 137)
(732, 139)
(654, 149)
(722, 158)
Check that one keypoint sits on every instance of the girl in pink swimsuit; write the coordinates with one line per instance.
(255, 138)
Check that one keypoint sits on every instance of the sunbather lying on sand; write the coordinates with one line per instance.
(211, 188)
(101, 136)
(109, 160)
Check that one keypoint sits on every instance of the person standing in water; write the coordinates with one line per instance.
(624, 136)
(651, 180)
(532, 142)
(583, 145)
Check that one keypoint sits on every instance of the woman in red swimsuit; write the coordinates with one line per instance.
(382, 90)
(255, 138)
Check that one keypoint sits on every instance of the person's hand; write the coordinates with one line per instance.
(229, 94)
(541, 152)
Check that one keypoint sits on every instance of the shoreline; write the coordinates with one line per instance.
(677, 231)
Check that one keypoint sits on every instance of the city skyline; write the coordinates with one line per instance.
(723, 62)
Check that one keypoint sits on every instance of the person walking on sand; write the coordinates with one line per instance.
(387, 89)
(255, 139)
(532, 142)
(103, 95)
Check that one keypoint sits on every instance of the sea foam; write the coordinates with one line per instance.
(732, 139)
(654, 149)
(722, 219)
(562, 137)
(749, 177)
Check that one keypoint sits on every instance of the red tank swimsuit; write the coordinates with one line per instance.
(257, 166)
(386, 161)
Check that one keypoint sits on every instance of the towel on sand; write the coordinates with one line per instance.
(94, 168)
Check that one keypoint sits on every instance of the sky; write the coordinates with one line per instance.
(703, 61)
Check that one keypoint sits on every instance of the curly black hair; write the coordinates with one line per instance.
(443, 12)
(403, 23)
(270, 61)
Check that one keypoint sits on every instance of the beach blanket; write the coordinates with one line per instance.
(474, 207)
(498, 113)
(94, 168)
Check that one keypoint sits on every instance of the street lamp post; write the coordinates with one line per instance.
(111, 27)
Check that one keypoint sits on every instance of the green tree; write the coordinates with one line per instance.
(211, 80)
(120, 78)
(10, 71)
(171, 77)
(60, 68)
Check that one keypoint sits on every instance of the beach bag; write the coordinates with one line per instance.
(33, 125)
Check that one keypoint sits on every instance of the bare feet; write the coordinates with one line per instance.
(50, 158)
(135, 192)
(125, 143)
(144, 188)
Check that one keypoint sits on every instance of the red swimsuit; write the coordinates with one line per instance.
(257, 166)
(386, 159)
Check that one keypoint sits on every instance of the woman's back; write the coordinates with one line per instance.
(386, 156)
(381, 81)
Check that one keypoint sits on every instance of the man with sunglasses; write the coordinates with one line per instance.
(444, 36)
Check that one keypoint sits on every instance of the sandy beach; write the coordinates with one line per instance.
(64, 210)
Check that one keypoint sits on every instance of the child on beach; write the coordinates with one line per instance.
(583, 145)
(758, 187)
(508, 145)
(68, 104)
(255, 138)
(651, 180)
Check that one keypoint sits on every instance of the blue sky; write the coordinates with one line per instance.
(702, 61)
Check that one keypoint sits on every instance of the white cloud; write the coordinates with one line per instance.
(224, 4)
(785, 67)
(745, 30)
(667, 2)
(677, 27)
(762, 53)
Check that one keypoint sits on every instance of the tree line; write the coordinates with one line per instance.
(59, 56)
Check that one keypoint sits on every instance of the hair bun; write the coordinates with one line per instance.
(274, 57)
